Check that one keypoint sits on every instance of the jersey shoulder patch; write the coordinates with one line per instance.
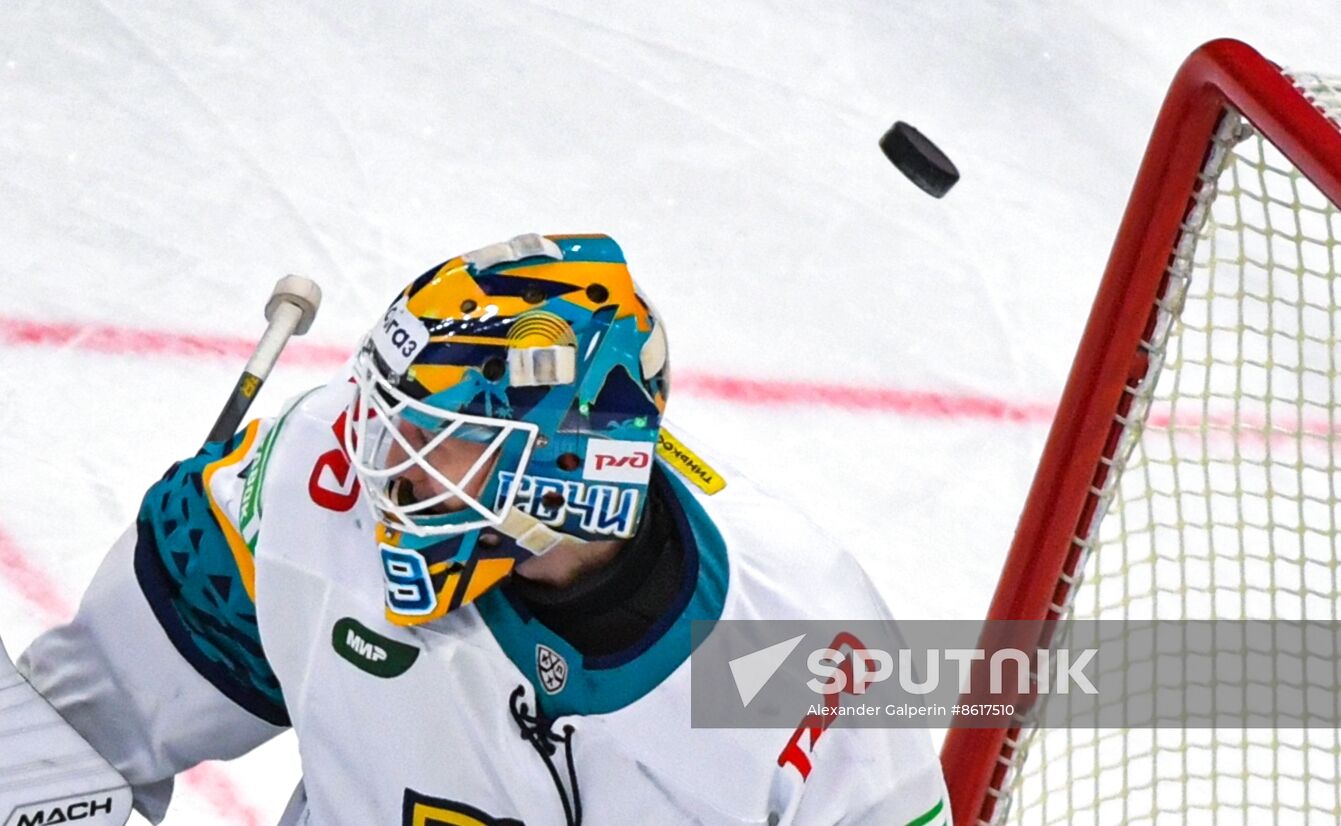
(194, 561)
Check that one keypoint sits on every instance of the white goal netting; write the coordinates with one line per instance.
(1224, 501)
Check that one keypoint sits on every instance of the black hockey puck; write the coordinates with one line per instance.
(919, 159)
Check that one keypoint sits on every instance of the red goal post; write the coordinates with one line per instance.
(1113, 356)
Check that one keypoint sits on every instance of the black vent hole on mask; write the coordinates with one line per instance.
(552, 499)
(493, 369)
(597, 293)
(568, 461)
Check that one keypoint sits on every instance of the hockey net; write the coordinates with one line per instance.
(1192, 472)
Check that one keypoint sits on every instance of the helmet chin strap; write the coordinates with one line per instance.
(533, 535)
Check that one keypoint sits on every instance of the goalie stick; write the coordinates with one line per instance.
(291, 309)
(48, 772)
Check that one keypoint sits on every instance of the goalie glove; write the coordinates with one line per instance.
(48, 773)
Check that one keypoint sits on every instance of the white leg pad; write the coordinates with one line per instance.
(48, 773)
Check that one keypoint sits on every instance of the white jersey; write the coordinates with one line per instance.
(270, 612)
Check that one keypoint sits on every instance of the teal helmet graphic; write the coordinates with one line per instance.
(508, 401)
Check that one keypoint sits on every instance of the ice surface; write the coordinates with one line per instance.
(161, 164)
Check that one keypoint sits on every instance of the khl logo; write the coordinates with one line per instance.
(551, 667)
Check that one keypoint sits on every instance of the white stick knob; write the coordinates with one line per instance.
(295, 289)
(291, 309)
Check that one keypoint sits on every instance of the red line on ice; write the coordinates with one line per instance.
(43, 594)
(31, 583)
(218, 789)
(916, 403)
(111, 339)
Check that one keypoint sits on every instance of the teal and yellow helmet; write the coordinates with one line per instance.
(508, 401)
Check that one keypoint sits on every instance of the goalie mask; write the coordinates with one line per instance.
(509, 401)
